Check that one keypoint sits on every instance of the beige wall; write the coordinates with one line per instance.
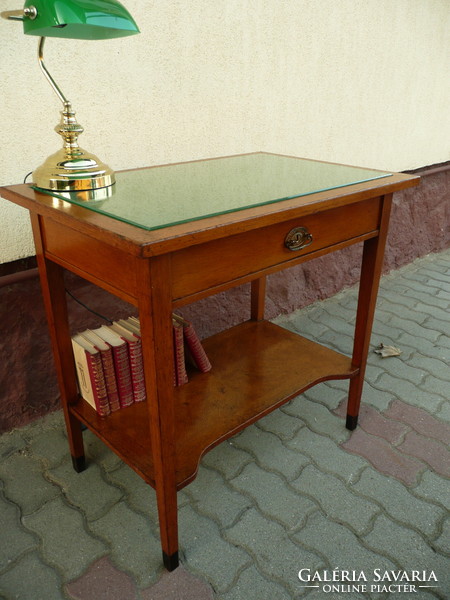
(352, 81)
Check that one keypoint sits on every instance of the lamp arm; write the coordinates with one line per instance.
(44, 69)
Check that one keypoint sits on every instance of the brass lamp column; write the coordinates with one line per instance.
(72, 169)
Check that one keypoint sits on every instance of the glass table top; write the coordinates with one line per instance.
(157, 197)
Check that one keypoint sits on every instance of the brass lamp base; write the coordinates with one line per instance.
(73, 170)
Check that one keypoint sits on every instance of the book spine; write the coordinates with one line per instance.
(94, 364)
(137, 371)
(110, 379)
(197, 351)
(180, 377)
(123, 375)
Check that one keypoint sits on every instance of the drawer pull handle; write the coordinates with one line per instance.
(298, 238)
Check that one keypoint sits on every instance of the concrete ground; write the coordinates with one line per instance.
(277, 511)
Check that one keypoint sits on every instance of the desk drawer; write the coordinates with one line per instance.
(205, 266)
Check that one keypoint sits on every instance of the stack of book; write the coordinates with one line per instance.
(109, 363)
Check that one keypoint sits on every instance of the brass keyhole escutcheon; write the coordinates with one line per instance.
(298, 238)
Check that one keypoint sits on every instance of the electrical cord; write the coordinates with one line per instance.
(26, 176)
(87, 307)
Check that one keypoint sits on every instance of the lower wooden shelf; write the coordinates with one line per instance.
(257, 367)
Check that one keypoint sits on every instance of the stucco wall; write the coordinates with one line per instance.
(362, 83)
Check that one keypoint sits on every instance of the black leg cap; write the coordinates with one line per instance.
(351, 422)
(79, 463)
(171, 562)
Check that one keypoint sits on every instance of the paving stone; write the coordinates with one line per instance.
(15, 541)
(433, 488)
(52, 447)
(31, 579)
(178, 585)
(433, 366)
(276, 556)
(280, 424)
(444, 412)
(213, 498)
(408, 549)
(386, 311)
(326, 395)
(98, 452)
(420, 420)
(270, 453)
(416, 396)
(375, 423)
(418, 331)
(65, 544)
(384, 457)
(443, 541)
(132, 545)
(274, 498)
(140, 496)
(327, 455)
(441, 325)
(251, 584)
(398, 502)
(433, 385)
(227, 459)
(25, 484)
(102, 581)
(206, 552)
(335, 499)
(430, 451)
(87, 490)
(10, 443)
(317, 417)
(397, 367)
(340, 548)
(379, 399)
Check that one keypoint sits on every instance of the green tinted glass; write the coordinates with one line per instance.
(157, 197)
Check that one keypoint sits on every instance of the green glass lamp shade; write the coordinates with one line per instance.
(79, 19)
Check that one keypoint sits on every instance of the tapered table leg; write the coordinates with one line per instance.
(54, 296)
(155, 314)
(372, 263)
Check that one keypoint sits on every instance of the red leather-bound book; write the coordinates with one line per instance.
(121, 364)
(136, 365)
(194, 349)
(108, 367)
(91, 380)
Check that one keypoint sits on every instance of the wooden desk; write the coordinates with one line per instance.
(175, 254)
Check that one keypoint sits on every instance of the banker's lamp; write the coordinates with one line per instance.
(72, 168)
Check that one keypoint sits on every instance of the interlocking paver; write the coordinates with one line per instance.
(15, 541)
(213, 497)
(384, 457)
(442, 543)
(430, 451)
(178, 585)
(400, 388)
(280, 424)
(65, 544)
(398, 503)
(274, 553)
(132, 546)
(102, 581)
(251, 584)
(433, 488)
(87, 490)
(30, 579)
(376, 423)
(327, 455)
(227, 459)
(21, 472)
(273, 496)
(407, 548)
(139, 495)
(270, 453)
(336, 500)
(420, 420)
(208, 552)
(340, 547)
(318, 418)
